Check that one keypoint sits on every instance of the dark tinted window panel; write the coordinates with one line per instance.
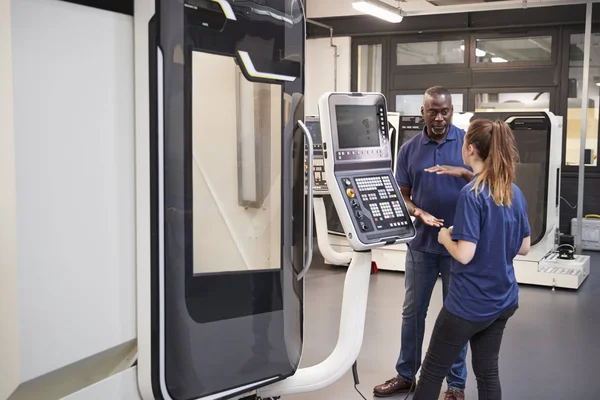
(517, 49)
(410, 104)
(458, 79)
(430, 53)
(542, 76)
(515, 101)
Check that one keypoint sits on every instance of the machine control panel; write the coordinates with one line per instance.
(410, 126)
(360, 178)
(320, 181)
(376, 204)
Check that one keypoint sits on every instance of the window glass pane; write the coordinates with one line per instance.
(431, 53)
(535, 48)
(369, 67)
(410, 104)
(492, 101)
(236, 164)
(575, 91)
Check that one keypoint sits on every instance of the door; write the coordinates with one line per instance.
(229, 196)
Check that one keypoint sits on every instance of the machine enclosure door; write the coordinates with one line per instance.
(227, 195)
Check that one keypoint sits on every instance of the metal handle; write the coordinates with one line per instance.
(309, 193)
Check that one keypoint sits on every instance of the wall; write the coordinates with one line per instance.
(320, 70)
(329, 8)
(74, 154)
(241, 237)
(9, 333)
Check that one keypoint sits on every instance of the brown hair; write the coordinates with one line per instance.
(495, 144)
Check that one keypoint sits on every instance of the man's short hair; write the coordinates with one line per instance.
(438, 91)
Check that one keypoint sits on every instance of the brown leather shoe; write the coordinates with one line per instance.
(452, 394)
(393, 386)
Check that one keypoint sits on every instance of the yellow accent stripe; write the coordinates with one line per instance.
(245, 57)
(227, 10)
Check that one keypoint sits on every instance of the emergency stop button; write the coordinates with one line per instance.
(350, 192)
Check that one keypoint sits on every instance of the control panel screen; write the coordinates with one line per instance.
(357, 126)
(314, 127)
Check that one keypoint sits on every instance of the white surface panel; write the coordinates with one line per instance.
(9, 331)
(73, 83)
(122, 386)
(320, 70)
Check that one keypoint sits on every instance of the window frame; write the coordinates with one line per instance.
(394, 41)
(564, 101)
(394, 93)
(514, 35)
(362, 41)
(519, 89)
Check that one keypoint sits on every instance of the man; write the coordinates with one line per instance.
(422, 163)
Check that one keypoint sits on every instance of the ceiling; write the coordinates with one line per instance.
(336, 8)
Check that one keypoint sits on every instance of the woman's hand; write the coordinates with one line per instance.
(445, 235)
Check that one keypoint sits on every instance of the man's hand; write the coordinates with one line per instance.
(445, 235)
(458, 172)
(427, 218)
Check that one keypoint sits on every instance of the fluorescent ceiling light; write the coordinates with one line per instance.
(378, 9)
(498, 60)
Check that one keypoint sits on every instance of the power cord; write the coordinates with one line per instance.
(569, 204)
(413, 383)
(356, 381)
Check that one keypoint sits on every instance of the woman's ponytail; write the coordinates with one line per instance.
(495, 143)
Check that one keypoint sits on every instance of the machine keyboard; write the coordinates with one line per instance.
(381, 200)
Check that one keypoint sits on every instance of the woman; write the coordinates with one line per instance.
(490, 229)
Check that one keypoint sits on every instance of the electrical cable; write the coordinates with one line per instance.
(413, 383)
(569, 204)
(356, 381)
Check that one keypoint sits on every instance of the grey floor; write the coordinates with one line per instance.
(550, 350)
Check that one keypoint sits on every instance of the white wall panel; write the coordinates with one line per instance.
(320, 70)
(9, 328)
(74, 130)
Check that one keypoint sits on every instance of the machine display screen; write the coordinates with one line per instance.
(357, 126)
(314, 127)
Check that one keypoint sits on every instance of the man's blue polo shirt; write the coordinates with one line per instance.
(436, 194)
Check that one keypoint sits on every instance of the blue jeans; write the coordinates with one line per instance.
(421, 274)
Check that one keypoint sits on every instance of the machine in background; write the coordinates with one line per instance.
(314, 127)
(324, 209)
(538, 137)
